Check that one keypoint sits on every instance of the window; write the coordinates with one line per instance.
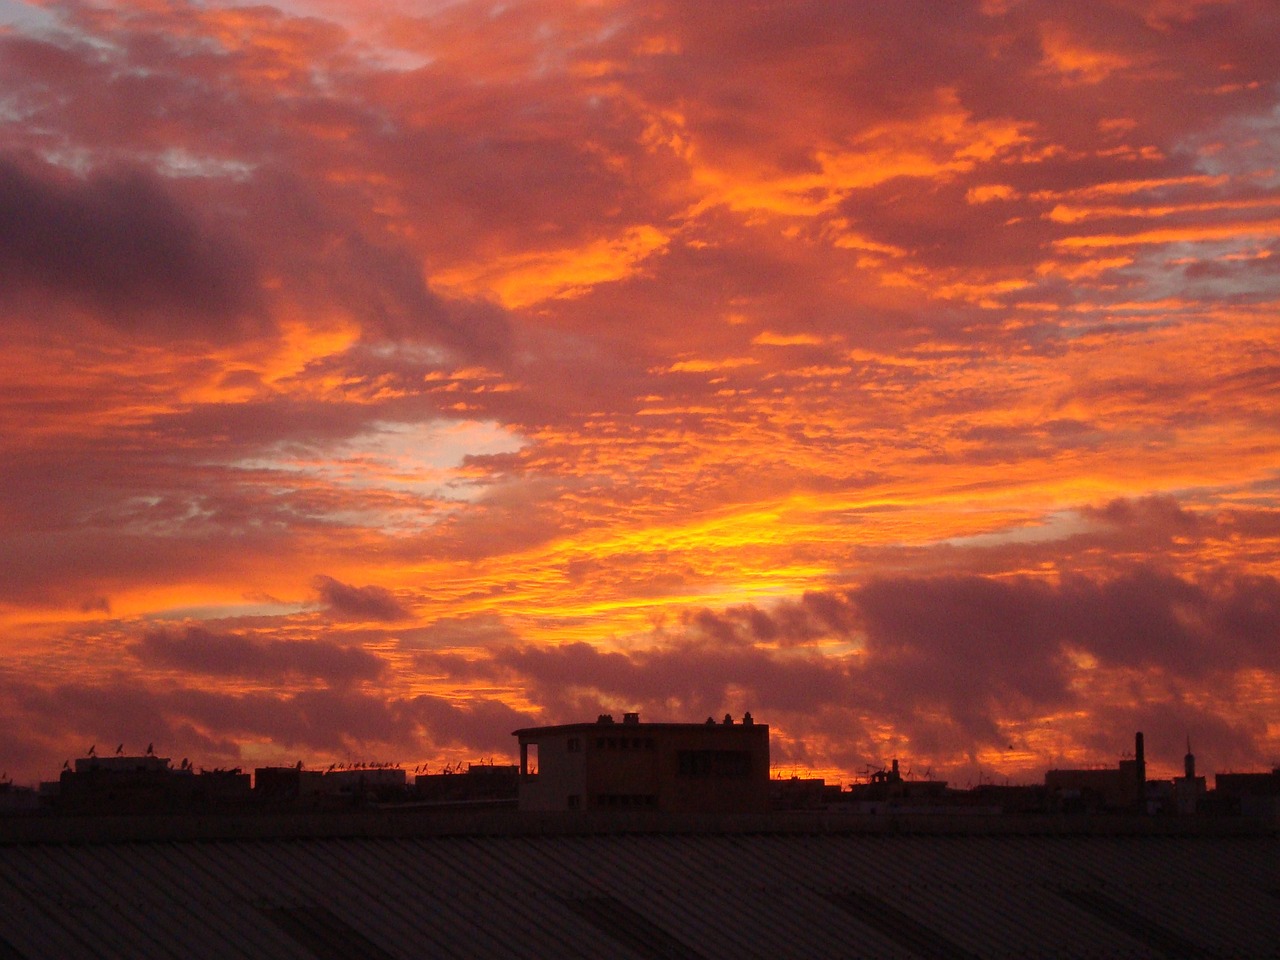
(715, 764)
(575, 745)
(575, 801)
(528, 759)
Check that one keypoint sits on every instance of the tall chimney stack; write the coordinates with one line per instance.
(1140, 755)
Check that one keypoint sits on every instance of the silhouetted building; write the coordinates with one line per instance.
(1188, 790)
(481, 783)
(15, 799)
(329, 788)
(1004, 798)
(1250, 794)
(125, 784)
(379, 784)
(673, 767)
(287, 785)
(887, 789)
(803, 793)
(1121, 788)
(221, 788)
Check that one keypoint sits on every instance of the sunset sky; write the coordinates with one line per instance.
(380, 377)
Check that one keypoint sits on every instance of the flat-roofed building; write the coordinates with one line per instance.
(1120, 788)
(1251, 794)
(670, 767)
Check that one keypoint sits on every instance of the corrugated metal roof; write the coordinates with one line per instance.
(644, 896)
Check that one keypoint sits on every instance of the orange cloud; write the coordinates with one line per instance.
(853, 366)
(1075, 62)
(521, 280)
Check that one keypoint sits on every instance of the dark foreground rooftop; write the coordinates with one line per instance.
(776, 887)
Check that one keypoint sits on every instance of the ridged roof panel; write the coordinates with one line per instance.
(644, 896)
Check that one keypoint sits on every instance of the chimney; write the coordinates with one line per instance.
(1140, 756)
(631, 718)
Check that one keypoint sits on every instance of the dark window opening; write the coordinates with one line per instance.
(715, 764)
(528, 760)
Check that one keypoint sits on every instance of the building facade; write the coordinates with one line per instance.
(670, 767)
(1120, 788)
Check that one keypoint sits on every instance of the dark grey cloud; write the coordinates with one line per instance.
(205, 652)
(359, 603)
(680, 681)
(120, 243)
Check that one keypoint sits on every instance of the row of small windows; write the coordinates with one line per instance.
(718, 764)
(614, 743)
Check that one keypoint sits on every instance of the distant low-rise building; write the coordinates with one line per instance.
(803, 793)
(287, 785)
(332, 787)
(888, 789)
(482, 783)
(371, 783)
(129, 784)
(671, 767)
(1119, 788)
(1249, 794)
(16, 799)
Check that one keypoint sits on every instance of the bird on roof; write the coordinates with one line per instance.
(151, 748)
